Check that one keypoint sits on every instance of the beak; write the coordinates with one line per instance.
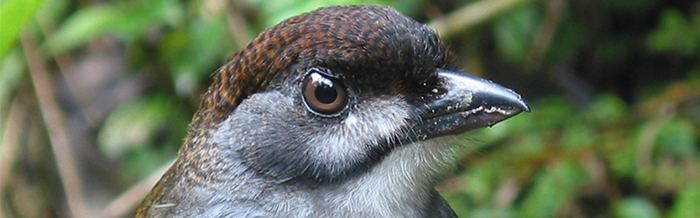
(462, 103)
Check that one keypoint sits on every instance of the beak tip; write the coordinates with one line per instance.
(518, 101)
(524, 106)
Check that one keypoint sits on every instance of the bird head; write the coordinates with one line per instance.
(329, 94)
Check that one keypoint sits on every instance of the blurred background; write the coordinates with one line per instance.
(96, 95)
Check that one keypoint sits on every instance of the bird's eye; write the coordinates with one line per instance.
(323, 94)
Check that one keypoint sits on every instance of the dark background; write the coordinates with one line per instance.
(95, 97)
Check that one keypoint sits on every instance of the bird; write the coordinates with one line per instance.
(343, 111)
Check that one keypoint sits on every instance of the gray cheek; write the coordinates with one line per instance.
(263, 133)
(274, 135)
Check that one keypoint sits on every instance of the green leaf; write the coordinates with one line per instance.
(675, 35)
(132, 125)
(14, 15)
(481, 179)
(621, 155)
(676, 138)
(578, 135)
(275, 11)
(606, 109)
(143, 161)
(635, 207)
(191, 52)
(552, 188)
(686, 205)
(82, 26)
(515, 31)
(127, 21)
(135, 19)
(550, 113)
(517, 124)
(459, 202)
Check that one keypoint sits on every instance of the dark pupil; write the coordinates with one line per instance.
(325, 92)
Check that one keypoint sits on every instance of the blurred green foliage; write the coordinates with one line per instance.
(676, 34)
(14, 14)
(614, 87)
(127, 20)
(561, 155)
(514, 32)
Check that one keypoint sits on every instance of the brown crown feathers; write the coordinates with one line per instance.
(336, 37)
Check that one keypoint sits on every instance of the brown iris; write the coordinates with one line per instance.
(324, 94)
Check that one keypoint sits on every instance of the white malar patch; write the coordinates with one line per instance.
(399, 185)
(402, 182)
(379, 120)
